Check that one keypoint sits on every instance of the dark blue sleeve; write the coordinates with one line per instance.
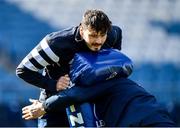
(76, 94)
(36, 79)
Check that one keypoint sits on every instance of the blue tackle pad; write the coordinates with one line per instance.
(88, 68)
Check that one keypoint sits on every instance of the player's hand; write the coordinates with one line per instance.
(63, 83)
(33, 111)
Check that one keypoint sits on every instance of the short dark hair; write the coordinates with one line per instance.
(97, 20)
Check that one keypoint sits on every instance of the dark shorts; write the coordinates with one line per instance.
(54, 119)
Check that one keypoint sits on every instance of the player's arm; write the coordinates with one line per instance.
(75, 95)
(64, 99)
(41, 56)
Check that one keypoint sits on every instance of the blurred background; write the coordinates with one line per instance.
(151, 38)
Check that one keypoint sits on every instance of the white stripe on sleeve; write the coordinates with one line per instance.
(48, 51)
(28, 64)
(38, 57)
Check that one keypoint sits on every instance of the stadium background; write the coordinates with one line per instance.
(151, 38)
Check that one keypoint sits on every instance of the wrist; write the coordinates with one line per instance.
(42, 109)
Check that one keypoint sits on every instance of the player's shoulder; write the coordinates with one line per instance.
(116, 28)
(114, 35)
(63, 34)
(115, 32)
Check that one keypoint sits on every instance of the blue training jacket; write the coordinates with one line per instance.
(119, 102)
